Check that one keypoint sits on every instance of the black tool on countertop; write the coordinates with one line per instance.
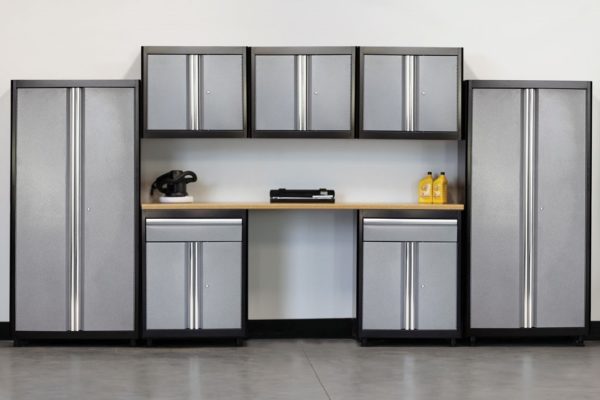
(302, 196)
(173, 184)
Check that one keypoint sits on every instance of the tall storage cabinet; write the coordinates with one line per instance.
(410, 93)
(194, 275)
(409, 275)
(529, 207)
(303, 92)
(194, 91)
(74, 209)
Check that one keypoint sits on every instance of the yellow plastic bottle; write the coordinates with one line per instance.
(426, 189)
(440, 189)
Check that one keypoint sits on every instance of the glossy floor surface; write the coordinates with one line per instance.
(301, 369)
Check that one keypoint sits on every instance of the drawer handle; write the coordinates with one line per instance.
(192, 221)
(396, 221)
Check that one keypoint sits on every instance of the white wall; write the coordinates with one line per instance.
(511, 39)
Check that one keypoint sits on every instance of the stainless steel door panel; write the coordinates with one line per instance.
(193, 230)
(41, 229)
(561, 216)
(275, 97)
(383, 93)
(167, 295)
(167, 92)
(329, 92)
(496, 236)
(221, 285)
(109, 209)
(383, 289)
(222, 92)
(436, 94)
(409, 230)
(435, 286)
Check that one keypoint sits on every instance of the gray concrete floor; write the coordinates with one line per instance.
(301, 369)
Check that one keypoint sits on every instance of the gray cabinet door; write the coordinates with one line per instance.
(329, 92)
(561, 238)
(496, 237)
(222, 92)
(109, 226)
(41, 262)
(221, 285)
(167, 92)
(435, 286)
(383, 290)
(275, 87)
(383, 93)
(167, 283)
(436, 93)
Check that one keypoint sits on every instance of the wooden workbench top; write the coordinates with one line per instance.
(301, 206)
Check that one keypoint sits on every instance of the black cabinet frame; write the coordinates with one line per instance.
(411, 51)
(297, 134)
(186, 133)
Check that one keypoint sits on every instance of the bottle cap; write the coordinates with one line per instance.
(429, 173)
(442, 173)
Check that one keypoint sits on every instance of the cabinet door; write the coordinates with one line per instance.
(167, 107)
(329, 92)
(383, 93)
(221, 285)
(222, 92)
(496, 237)
(383, 290)
(561, 216)
(167, 283)
(109, 226)
(435, 286)
(41, 262)
(275, 87)
(437, 93)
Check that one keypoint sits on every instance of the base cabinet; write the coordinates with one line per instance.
(408, 275)
(194, 276)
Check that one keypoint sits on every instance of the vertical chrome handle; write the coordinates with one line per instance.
(529, 123)
(196, 285)
(409, 93)
(301, 92)
(75, 208)
(193, 86)
(407, 285)
(412, 285)
(192, 249)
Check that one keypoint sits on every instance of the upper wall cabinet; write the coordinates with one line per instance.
(410, 93)
(194, 91)
(303, 92)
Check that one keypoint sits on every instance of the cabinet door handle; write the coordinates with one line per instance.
(396, 221)
(192, 221)
(301, 92)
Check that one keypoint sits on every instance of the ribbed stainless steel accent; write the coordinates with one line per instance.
(409, 93)
(75, 208)
(411, 247)
(189, 246)
(193, 221)
(301, 92)
(197, 280)
(199, 91)
(407, 285)
(398, 221)
(192, 78)
(529, 124)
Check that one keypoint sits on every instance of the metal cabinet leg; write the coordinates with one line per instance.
(453, 342)
(472, 341)
(239, 342)
(364, 342)
(579, 341)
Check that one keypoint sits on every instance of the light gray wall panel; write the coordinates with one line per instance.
(222, 92)
(221, 285)
(561, 216)
(329, 92)
(383, 96)
(436, 93)
(108, 207)
(496, 237)
(275, 93)
(41, 210)
(383, 285)
(167, 92)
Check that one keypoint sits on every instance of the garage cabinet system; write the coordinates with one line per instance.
(509, 256)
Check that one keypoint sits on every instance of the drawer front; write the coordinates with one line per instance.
(194, 230)
(409, 230)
